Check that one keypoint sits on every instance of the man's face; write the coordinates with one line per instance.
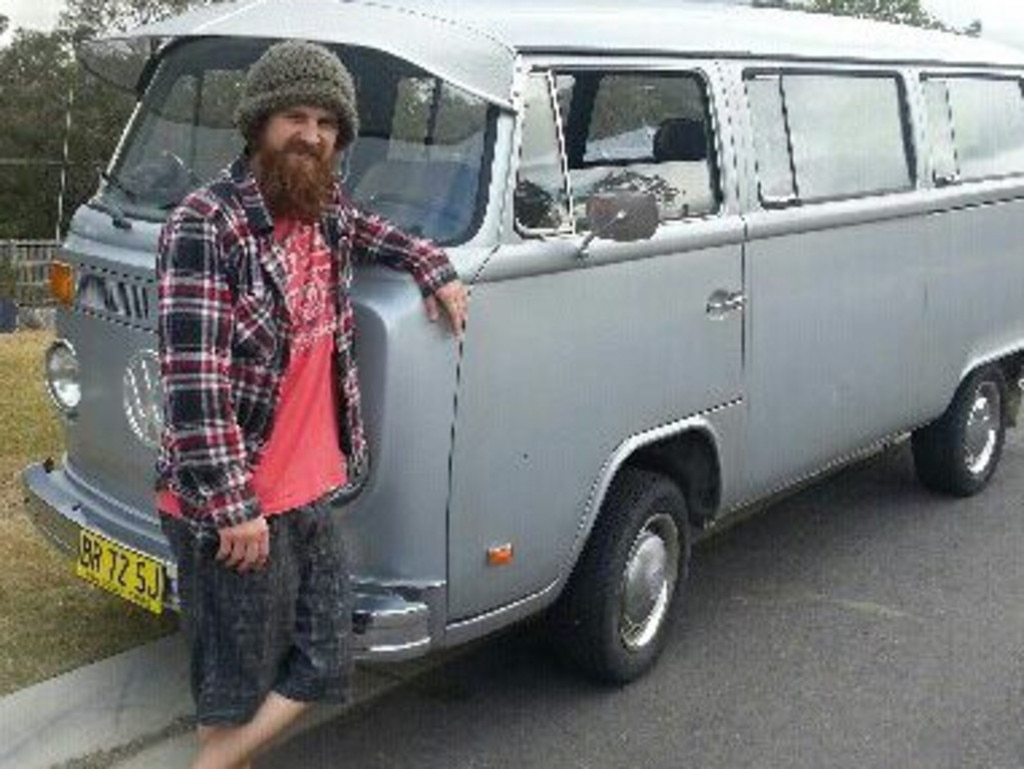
(294, 160)
(314, 127)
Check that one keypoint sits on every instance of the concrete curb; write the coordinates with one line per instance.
(178, 750)
(134, 710)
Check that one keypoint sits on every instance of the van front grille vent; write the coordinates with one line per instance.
(116, 297)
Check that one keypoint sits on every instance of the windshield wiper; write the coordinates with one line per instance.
(113, 181)
(117, 216)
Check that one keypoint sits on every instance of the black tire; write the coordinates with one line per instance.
(643, 522)
(958, 453)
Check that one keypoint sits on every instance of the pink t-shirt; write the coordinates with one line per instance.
(302, 459)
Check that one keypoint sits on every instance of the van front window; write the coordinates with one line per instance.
(421, 159)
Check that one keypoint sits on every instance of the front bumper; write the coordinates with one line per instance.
(389, 622)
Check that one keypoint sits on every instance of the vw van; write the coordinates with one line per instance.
(713, 252)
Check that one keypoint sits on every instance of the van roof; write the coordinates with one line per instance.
(474, 43)
(697, 27)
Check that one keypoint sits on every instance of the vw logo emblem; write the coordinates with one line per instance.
(143, 404)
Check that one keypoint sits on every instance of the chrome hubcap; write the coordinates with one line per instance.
(649, 581)
(982, 433)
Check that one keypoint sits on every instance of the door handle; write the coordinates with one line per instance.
(722, 303)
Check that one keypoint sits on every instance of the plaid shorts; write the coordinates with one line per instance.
(286, 628)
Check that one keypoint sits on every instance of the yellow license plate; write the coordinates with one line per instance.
(127, 573)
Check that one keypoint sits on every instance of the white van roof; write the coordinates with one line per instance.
(473, 43)
(698, 27)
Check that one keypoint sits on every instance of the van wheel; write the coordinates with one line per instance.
(613, 618)
(958, 453)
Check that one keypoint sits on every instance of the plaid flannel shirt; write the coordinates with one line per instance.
(224, 335)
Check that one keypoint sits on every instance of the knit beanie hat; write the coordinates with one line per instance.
(292, 73)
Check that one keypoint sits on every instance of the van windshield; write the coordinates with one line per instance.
(421, 159)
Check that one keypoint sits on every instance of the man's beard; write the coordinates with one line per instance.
(296, 181)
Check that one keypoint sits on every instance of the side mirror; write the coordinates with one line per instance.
(623, 216)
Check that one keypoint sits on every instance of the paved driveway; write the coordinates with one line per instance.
(862, 623)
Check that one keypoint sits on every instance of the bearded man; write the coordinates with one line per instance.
(261, 401)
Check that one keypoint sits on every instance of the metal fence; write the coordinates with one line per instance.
(31, 262)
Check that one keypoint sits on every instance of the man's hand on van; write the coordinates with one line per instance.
(454, 298)
(245, 546)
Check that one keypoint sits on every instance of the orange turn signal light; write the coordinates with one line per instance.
(501, 555)
(62, 283)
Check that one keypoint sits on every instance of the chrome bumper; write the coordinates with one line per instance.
(390, 623)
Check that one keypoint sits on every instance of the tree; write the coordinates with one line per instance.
(4, 23)
(38, 74)
(34, 71)
(894, 11)
(86, 18)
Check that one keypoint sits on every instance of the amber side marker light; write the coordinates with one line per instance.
(501, 555)
(62, 283)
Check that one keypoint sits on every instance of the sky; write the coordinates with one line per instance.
(1001, 19)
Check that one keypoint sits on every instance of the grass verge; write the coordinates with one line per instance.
(50, 621)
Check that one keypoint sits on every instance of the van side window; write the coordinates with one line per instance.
(846, 135)
(941, 146)
(772, 152)
(541, 195)
(985, 119)
(639, 131)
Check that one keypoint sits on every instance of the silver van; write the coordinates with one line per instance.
(713, 252)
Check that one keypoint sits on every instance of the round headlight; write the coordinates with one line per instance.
(62, 376)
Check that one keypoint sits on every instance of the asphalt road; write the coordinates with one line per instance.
(861, 623)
